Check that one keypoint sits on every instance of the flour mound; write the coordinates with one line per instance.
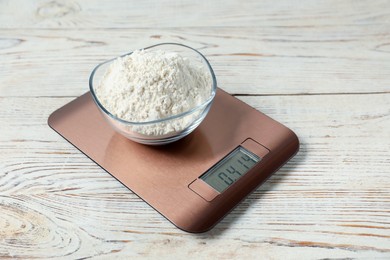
(153, 84)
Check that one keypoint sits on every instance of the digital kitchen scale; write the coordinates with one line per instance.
(197, 180)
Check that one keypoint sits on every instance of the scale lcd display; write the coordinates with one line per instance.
(230, 169)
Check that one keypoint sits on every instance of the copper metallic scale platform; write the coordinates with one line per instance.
(197, 180)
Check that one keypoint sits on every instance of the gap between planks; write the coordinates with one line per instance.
(313, 94)
(242, 95)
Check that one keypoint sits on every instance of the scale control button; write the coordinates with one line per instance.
(203, 189)
(255, 147)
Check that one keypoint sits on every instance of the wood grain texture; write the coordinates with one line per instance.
(320, 67)
(271, 60)
(327, 201)
(187, 13)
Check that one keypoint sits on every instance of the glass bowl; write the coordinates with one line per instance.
(136, 131)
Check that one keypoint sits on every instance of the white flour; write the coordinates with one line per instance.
(149, 85)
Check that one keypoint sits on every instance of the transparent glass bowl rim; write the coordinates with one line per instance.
(204, 104)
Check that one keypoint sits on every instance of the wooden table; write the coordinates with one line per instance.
(320, 67)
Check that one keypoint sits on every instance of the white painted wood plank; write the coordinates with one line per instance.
(331, 200)
(187, 13)
(350, 59)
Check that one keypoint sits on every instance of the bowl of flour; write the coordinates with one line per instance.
(156, 95)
